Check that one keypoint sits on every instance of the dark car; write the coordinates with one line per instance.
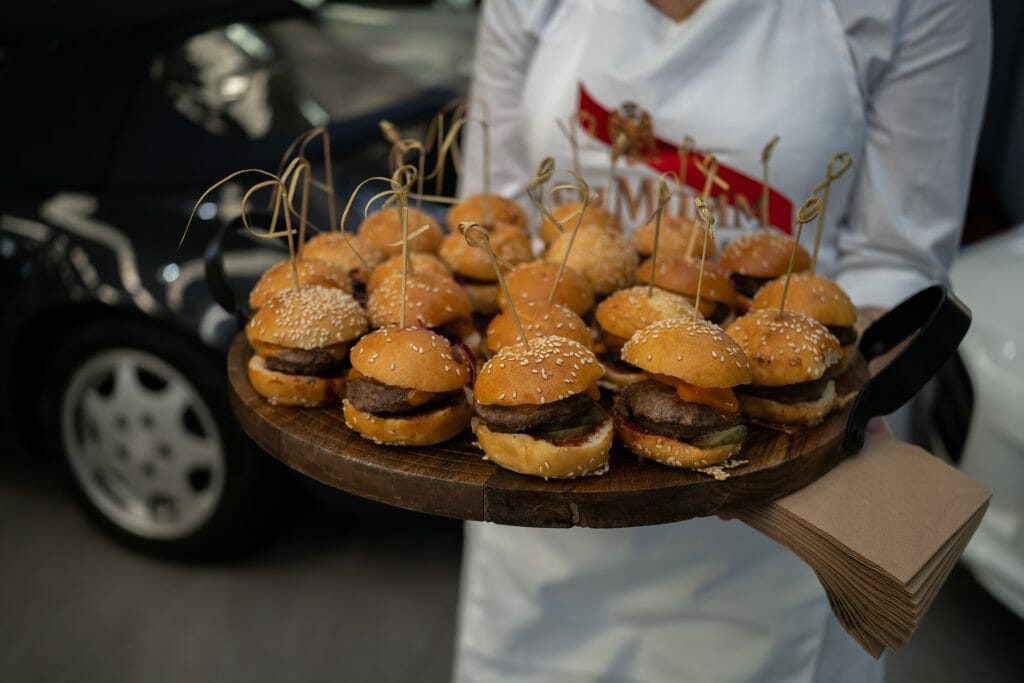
(113, 352)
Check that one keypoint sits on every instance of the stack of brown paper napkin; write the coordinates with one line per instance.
(882, 531)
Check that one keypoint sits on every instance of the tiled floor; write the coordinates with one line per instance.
(360, 594)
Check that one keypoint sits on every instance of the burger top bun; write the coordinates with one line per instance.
(680, 275)
(606, 259)
(312, 317)
(547, 369)
(532, 282)
(698, 353)
(334, 247)
(384, 230)
(629, 310)
(567, 214)
(812, 294)
(411, 358)
(674, 237)
(791, 348)
(488, 210)
(539, 319)
(280, 277)
(430, 300)
(509, 243)
(420, 262)
(763, 254)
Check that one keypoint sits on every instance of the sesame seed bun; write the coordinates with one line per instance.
(419, 429)
(334, 247)
(699, 353)
(279, 277)
(547, 370)
(384, 230)
(629, 310)
(533, 281)
(763, 254)
(488, 210)
(680, 275)
(789, 349)
(567, 213)
(606, 259)
(771, 413)
(540, 319)
(811, 294)
(674, 238)
(283, 389)
(431, 301)
(412, 358)
(671, 452)
(307, 318)
(549, 459)
(509, 243)
(420, 262)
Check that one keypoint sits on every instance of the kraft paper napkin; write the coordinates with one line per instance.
(882, 531)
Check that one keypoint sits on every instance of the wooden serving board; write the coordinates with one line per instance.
(453, 480)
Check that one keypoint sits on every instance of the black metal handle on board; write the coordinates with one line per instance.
(932, 322)
(216, 278)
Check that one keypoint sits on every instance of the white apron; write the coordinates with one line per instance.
(703, 600)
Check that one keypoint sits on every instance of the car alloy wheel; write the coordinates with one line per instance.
(142, 444)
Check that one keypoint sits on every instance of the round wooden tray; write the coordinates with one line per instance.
(453, 480)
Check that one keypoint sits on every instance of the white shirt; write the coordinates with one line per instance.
(900, 85)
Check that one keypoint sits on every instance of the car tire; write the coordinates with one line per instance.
(138, 418)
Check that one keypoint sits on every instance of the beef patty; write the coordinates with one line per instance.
(302, 362)
(747, 285)
(526, 417)
(370, 396)
(804, 392)
(655, 407)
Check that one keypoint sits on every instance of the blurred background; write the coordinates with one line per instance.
(115, 117)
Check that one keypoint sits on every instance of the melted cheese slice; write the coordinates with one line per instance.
(723, 400)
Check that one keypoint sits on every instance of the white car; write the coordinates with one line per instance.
(976, 414)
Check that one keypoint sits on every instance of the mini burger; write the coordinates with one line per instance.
(820, 298)
(567, 214)
(431, 301)
(419, 262)
(473, 269)
(539, 319)
(605, 258)
(680, 275)
(407, 388)
(537, 412)
(489, 210)
(791, 359)
(761, 256)
(533, 282)
(674, 237)
(624, 313)
(685, 414)
(280, 277)
(340, 250)
(301, 340)
(384, 230)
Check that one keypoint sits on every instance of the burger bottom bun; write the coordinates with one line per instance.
(767, 411)
(618, 378)
(421, 429)
(484, 297)
(670, 451)
(540, 458)
(282, 389)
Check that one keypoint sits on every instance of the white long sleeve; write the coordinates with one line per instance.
(924, 109)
